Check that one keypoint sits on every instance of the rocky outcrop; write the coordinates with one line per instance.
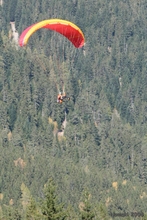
(15, 35)
(1, 2)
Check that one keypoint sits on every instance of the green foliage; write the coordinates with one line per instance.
(12, 113)
(86, 209)
(32, 211)
(50, 207)
(1, 41)
(99, 136)
(10, 213)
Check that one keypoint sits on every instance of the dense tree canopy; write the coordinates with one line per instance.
(97, 140)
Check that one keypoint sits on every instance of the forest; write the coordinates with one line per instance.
(87, 157)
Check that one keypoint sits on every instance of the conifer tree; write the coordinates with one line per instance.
(51, 209)
(86, 212)
(32, 211)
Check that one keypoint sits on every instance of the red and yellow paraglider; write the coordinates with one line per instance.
(72, 32)
(66, 28)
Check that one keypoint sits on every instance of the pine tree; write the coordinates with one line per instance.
(33, 212)
(86, 210)
(51, 209)
(10, 213)
(1, 41)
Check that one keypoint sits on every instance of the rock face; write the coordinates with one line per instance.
(14, 32)
(1, 2)
(20, 162)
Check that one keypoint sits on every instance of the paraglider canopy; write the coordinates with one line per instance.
(72, 32)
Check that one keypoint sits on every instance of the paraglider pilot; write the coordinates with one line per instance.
(61, 97)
